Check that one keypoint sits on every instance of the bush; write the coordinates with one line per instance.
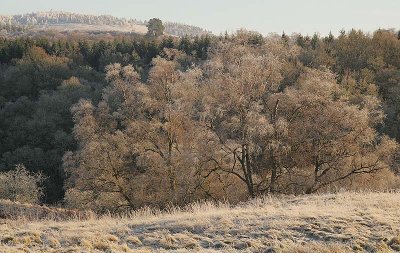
(21, 185)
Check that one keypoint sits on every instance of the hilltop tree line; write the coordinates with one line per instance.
(134, 121)
(59, 17)
(25, 22)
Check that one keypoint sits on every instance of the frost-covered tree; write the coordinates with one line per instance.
(21, 185)
(136, 145)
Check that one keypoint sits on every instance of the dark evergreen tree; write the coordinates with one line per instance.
(155, 28)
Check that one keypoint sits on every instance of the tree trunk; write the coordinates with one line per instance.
(274, 169)
(247, 171)
(272, 187)
(315, 179)
(171, 170)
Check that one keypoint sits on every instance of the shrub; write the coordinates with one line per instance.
(21, 185)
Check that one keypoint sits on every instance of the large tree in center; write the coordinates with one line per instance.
(240, 80)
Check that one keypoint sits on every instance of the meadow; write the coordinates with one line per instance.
(342, 222)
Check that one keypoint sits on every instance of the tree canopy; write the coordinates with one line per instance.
(123, 122)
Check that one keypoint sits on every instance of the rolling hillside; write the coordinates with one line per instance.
(65, 21)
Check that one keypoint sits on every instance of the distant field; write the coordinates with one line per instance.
(345, 222)
(100, 28)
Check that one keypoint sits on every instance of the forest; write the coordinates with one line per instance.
(111, 124)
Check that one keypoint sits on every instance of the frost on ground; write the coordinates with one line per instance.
(142, 29)
(344, 222)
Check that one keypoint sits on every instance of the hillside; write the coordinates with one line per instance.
(346, 222)
(65, 21)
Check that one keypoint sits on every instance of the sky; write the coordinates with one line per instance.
(218, 16)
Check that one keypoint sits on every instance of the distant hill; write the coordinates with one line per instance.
(66, 21)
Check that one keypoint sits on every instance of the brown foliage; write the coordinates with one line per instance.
(237, 126)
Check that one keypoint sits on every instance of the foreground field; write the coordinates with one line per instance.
(345, 222)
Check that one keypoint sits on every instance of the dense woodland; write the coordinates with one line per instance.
(129, 121)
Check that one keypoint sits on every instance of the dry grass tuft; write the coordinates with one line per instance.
(133, 240)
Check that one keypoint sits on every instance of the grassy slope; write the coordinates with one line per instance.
(141, 29)
(344, 222)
